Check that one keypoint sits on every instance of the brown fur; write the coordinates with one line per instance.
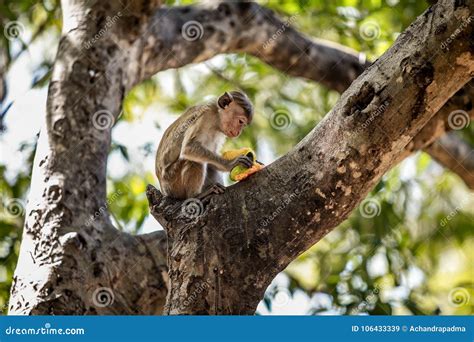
(188, 157)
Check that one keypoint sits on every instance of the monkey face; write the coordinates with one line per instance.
(232, 120)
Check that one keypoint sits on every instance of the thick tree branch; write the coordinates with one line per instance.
(455, 114)
(176, 37)
(245, 237)
(72, 260)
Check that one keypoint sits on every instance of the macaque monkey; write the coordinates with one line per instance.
(188, 159)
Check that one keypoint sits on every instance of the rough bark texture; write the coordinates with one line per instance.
(451, 152)
(70, 263)
(250, 28)
(221, 260)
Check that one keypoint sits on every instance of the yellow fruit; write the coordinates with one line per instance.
(240, 172)
(232, 154)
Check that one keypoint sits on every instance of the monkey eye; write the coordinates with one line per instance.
(241, 121)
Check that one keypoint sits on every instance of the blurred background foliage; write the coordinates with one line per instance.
(413, 256)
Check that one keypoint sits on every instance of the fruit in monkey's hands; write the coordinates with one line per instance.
(240, 172)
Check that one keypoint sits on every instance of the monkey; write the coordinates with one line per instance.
(187, 160)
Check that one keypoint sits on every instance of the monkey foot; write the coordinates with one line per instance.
(214, 189)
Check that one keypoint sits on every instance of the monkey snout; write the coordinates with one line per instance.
(233, 134)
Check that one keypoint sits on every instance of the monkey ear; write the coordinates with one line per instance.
(224, 100)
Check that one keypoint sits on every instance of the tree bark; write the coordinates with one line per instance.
(449, 150)
(256, 30)
(222, 260)
(73, 261)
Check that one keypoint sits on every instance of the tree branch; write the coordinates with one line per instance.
(455, 114)
(243, 238)
(72, 260)
(256, 30)
(455, 154)
(177, 36)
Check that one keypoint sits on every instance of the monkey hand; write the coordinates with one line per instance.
(242, 168)
(243, 161)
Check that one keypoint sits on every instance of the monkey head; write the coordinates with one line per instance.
(235, 111)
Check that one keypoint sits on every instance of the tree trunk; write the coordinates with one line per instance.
(72, 260)
(222, 257)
